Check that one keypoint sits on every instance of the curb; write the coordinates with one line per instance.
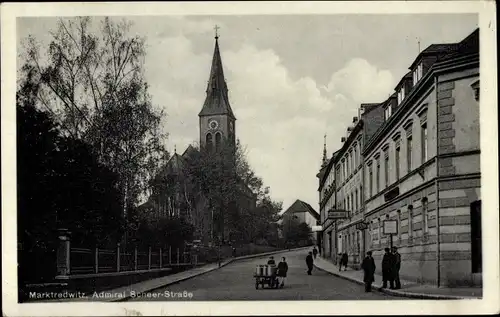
(399, 293)
(257, 255)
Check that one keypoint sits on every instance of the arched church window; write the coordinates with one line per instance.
(209, 141)
(218, 139)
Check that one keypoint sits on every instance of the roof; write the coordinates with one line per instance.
(406, 77)
(435, 49)
(469, 45)
(217, 100)
(301, 206)
(190, 150)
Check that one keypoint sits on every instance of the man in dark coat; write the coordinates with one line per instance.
(388, 264)
(368, 267)
(282, 270)
(345, 259)
(309, 262)
(315, 252)
(397, 266)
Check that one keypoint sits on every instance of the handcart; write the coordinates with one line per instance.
(266, 275)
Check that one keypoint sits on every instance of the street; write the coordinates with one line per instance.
(236, 282)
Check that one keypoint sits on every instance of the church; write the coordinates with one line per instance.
(173, 194)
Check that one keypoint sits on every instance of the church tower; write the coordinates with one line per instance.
(217, 121)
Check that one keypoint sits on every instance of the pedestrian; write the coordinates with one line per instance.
(309, 262)
(397, 267)
(282, 270)
(388, 268)
(271, 261)
(345, 259)
(341, 261)
(368, 267)
(315, 252)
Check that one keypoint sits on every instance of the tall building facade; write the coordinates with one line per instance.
(350, 184)
(327, 202)
(420, 171)
(429, 177)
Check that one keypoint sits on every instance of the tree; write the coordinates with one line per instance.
(60, 184)
(295, 232)
(93, 83)
(243, 209)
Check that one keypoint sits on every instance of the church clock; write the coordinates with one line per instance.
(213, 124)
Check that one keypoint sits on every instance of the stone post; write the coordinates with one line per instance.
(161, 259)
(118, 257)
(178, 255)
(135, 258)
(170, 255)
(96, 260)
(63, 253)
(149, 260)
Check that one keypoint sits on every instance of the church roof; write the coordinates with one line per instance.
(189, 152)
(175, 166)
(217, 100)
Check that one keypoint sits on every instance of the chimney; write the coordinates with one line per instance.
(354, 119)
(349, 129)
(342, 139)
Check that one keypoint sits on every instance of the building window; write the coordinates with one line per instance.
(378, 184)
(401, 95)
(386, 168)
(360, 195)
(379, 229)
(355, 156)
(387, 112)
(209, 141)
(425, 215)
(418, 73)
(344, 170)
(370, 180)
(409, 146)
(358, 240)
(424, 143)
(356, 199)
(410, 221)
(353, 161)
(398, 158)
(218, 139)
(353, 203)
(399, 224)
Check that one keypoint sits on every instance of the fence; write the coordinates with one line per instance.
(87, 261)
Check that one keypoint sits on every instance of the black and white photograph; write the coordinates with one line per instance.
(179, 158)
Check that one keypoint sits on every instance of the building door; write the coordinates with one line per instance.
(475, 228)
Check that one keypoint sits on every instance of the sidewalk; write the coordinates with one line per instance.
(125, 292)
(408, 288)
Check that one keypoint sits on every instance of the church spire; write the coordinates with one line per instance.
(324, 153)
(217, 100)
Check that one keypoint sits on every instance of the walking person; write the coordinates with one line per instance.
(282, 270)
(388, 264)
(309, 262)
(368, 267)
(345, 259)
(397, 267)
(315, 252)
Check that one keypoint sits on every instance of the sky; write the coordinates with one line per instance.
(291, 78)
